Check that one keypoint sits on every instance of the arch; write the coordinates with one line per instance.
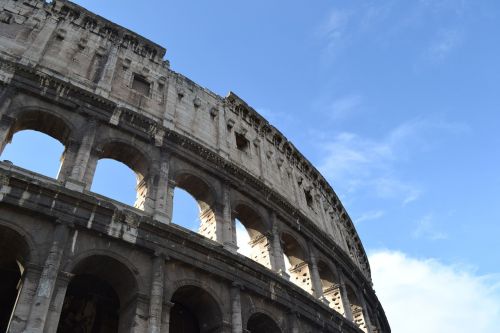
(46, 122)
(260, 322)
(101, 296)
(257, 229)
(195, 310)
(294, 251)
(42, 120)
(205, 196)
(331, 286)
(14, 254)
(131, 156)
(358, 316)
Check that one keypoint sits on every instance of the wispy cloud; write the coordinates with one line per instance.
(359, 163)
(426, 228)
(344, 106)
(444, 43)
(368, 216)
(439, 297)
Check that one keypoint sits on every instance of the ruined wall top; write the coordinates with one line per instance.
(81, 50)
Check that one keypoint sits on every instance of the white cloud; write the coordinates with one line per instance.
(443, 44)
(429, 296)
(368, 216)
(427, 229)
(344, 106)
(354, 162)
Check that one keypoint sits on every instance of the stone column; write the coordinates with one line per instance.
(162, 191)
(156, 297)
(293, 322)
(104, 85)
(45, 289)
(367, 318)
(6, 123)
(343, 295)
(165, 318)
(55, 308)
(30, 280)
(228, 225)
(67, 160)
(35, 51)
(236, 321)
(76, 179)
(277, 249)
(317, 286)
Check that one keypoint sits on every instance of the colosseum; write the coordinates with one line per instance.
(75, 261)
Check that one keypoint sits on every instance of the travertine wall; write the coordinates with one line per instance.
(105, 92)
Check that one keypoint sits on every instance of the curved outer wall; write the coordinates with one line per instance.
(106, 92)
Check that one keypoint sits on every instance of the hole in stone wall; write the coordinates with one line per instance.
(186, 211)
(115, 180)
(35, 151)
(241, 142)
(140, 84)
(309, 198)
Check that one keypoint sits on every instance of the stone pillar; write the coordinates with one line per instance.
(36, 49)
(45, 289)
(156, 297)
(345, 300)
(89, 172)
(30, 279)
(236, 321)
(67, 160)
(165, 318)
(317, 286)
(277, 249)
(367, 318)
(6, 123)
(162, 191)
(104, 84)
(76, 179)
(293, 322)
(55, 308)
(229, 228)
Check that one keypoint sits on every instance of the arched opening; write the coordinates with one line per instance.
(123, 190)
(36, 152)
(37, 142)
(258, 245)
(114, 179)
(331, 287)
(185, 210)
(299, 270)
(356, 308)
(194, 311)
(100, 297)
(13, 255)
(190, 187)
(242, 239)
(260, 323)
(91, 305)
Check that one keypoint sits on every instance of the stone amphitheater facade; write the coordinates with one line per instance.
(74, 261)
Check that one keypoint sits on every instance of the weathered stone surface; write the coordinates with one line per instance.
(106, 92)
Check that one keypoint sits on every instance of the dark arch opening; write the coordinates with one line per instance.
(257, 230)
(262, 323)
(13, 254)
(90, 306)
(194, 311)
(100, 297)
(190, 187)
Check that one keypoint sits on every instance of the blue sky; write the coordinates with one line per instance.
(397, 103)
